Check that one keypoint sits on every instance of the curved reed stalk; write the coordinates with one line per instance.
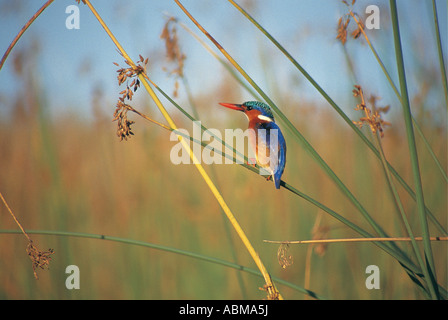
(429, 269)
(190, 254)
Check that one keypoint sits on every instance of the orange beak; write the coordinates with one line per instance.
(238, 107)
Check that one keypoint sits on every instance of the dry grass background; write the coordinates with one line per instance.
(73, 174)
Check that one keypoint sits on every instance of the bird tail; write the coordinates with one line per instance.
(276, 180)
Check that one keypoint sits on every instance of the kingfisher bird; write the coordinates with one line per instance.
(266, 140)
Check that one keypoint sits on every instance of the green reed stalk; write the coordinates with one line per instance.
(397, 93)
(397, 202)
(190, 254)
(440, 52)
(429, 270)
(436, 160)
(402, 259)
(336, 107)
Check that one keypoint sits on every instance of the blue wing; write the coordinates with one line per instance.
(279, 148)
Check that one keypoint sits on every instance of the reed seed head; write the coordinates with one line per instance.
(40, 259)
(373, 114)
(124, 125)
(120, 115)
(174, 54)
(344, 22)
(284, 259)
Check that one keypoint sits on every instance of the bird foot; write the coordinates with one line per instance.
(252, 162)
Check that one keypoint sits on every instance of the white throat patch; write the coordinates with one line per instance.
(264, 118)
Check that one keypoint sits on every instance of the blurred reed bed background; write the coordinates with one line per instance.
(73, 174)
(69, 172)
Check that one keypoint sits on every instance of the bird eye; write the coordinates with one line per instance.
(249, 108)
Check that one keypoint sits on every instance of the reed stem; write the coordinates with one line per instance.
(271, 289)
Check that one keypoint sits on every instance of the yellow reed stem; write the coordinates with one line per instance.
(216, 43)
(14, 217)
(353, 240)
(271, 289)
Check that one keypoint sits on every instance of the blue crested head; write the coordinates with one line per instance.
(260, 106)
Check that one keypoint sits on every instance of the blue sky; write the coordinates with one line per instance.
(307, 29)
